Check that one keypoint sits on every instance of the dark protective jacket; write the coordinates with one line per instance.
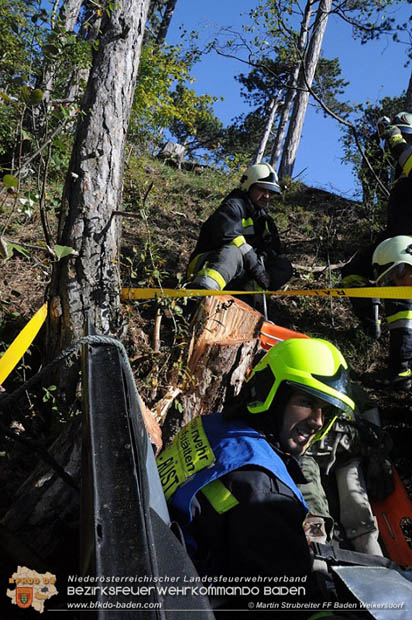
(238, 217)
(237, 221)
(252, 523)
(359, 270)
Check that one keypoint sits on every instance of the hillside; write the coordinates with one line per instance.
(165, 208)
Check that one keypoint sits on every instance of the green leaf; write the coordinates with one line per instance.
(18, 248)
(63, 250)
(36, 96)
(25, 94)
(5, 252)
(10, 180)
(31, 96)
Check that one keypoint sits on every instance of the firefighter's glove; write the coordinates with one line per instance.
(376, 446)
(261, 277)
(382, 124)
(392, 134)
(379, 478)
(256, 269)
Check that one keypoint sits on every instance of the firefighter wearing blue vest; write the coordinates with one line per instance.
(231, 478)
(239, 245)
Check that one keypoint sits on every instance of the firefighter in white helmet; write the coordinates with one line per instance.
(392, 264)
(239, 243)
(397, 134)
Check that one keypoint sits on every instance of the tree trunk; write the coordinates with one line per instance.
(68, 15)
(166, 19)
(222, 349)
(268, 127)
(291, 90)
(80, 75)
(302, 96)
(87, 283)
(408, 105)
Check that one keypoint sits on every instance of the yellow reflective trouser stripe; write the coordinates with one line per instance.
(267, 227)
(215, 275)
(402, 314)
(220, 498)
(191, 270)
(247, 222)
(238, 241)
(408, 166)
(189, 453)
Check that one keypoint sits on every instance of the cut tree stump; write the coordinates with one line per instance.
(224, 342)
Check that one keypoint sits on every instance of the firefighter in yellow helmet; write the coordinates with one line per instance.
(239, 244)
(231, 478)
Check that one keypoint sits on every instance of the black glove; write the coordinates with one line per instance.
(256, 269)
(379, 478)
(261, 277)
(376, 445)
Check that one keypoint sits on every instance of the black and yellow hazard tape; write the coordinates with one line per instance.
(382, 292)
(21, 343)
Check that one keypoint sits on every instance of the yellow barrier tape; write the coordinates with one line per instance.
(21, 343)
(382, 292)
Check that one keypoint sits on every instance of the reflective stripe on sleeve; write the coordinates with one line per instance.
(219, 497)
(238, 241)
(247, 222)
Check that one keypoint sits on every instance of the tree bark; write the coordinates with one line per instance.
(66, 20)
(268, 127)
(408, 107)
(87, 283)
(166, 19)
(307, 73)
(291, 90)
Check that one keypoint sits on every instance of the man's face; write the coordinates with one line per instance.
(403, 277)
(260, 196)
(303, 417)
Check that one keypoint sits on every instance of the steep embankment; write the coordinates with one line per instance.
(166, 207)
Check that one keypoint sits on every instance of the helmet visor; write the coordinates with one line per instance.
(329, 398)
(269, 186)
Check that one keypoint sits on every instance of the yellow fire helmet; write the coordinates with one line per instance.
(310, 365)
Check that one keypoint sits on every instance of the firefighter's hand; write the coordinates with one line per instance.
(261, 277)
(376, 446)
(382, 124)
(387, 131)
(379, 478)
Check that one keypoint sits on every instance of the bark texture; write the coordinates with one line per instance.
(165, 23)
(268, 127)
(300, 104)
(291, 90)
(409, 96)
(87, 284)
(66, 20)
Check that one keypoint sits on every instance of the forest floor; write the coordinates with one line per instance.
(167, 206)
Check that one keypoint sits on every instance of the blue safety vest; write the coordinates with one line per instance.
(234, 445)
